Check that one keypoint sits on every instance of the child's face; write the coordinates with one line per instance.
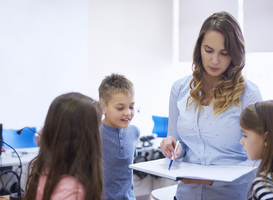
(253, 144)
(119, 111)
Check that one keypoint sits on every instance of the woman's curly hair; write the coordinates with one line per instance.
(228, 90)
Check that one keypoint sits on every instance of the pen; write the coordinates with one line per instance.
(177, 143)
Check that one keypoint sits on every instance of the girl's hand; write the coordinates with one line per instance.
(167, 146)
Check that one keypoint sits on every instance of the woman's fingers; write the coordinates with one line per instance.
(167, 146)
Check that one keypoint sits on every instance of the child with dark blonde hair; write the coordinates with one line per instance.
(119, 138)
(257, 126)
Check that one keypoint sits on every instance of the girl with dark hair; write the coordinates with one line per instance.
(68, 165)
(205, 108)
(257, 126)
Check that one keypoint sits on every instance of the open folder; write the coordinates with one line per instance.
(180, 170)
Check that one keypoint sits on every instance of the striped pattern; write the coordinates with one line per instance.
(260, 190)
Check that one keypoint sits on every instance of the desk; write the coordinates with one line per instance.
(26, 155)
(10, 159)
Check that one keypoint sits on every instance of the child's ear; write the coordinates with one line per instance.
(265, 138)
(103, 107)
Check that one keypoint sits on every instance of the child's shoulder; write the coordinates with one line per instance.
(134, 129)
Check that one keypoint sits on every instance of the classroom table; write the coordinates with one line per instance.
(10, 159)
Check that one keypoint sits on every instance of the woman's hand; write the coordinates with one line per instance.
(167, 146)
(195, 181)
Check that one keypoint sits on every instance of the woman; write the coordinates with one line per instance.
(205, 108)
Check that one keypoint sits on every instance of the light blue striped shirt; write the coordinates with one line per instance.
(210, 140)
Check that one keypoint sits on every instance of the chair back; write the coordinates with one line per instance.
(160, 126)
(24, 140)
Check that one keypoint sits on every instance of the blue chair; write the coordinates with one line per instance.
(160, 126)
(24, 140)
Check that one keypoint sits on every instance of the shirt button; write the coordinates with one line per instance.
(206, 116)
(121, 147)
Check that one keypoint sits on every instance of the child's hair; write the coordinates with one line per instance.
(228, 90)
(115, 83)
(258, 117)
(70, 145)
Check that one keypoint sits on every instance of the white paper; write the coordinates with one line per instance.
(181, 170)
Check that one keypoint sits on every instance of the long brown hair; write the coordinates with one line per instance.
(70, 145)
(258, 117)
(228, 90)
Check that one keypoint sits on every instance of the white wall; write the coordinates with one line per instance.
(134, 38)
(51, 47)
(43, 53)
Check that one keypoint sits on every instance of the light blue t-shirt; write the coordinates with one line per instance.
(210, 140)
(118, 152)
